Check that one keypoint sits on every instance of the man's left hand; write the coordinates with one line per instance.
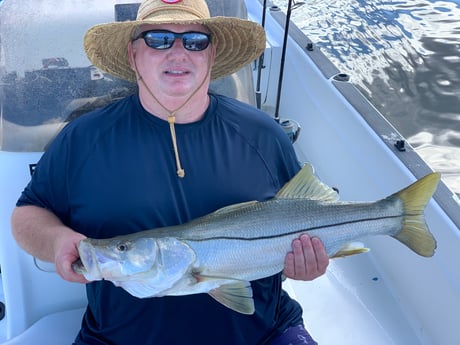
(308, 259)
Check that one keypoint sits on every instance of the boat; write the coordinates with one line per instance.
(387, 296)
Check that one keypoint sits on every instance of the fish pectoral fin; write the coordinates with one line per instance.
(351, 248)
(236, 296)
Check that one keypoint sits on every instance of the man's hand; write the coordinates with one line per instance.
(308, 259)
(66, 252)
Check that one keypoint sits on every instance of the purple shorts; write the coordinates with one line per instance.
(295, 335)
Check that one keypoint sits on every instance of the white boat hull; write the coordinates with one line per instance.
(389, 295)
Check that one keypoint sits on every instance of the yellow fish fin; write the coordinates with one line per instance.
(305, 185)
(236, 296)
(235, 207)
(415, 197)
(351, 248)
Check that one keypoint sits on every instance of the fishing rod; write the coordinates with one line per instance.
(283, 58)
(291, 5)
(260, 64)
(291, 127)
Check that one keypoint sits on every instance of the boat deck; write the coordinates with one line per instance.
(351, 304)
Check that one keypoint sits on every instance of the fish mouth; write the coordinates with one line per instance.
(96, 262)
(87, 264)
(78, 267)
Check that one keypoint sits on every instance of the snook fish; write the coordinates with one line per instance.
(220, 253)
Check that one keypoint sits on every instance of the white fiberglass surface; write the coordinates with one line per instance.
(352, 304)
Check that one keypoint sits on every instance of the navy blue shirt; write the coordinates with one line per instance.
(113, 172)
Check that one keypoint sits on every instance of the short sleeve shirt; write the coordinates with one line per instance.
(113, 172)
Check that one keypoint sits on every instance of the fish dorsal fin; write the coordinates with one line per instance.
(305, 185)
(234, 207)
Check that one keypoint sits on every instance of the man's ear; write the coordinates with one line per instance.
(131, 55)
(213, 54)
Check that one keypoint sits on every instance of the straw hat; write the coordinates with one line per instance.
(237, 41)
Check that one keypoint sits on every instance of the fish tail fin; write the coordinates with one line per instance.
(415, 233)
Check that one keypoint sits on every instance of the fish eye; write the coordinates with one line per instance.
(122, 246)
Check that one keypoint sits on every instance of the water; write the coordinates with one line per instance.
(404, 56)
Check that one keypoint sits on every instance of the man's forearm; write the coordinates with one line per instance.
(37, 231)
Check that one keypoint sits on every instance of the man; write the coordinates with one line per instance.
(169, 154)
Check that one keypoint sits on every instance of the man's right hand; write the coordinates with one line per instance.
(66, 252)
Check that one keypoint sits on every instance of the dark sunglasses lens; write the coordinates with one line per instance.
(195, 41)
(159, 40)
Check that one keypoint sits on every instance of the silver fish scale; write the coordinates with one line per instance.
(256, 245)
(283, 217)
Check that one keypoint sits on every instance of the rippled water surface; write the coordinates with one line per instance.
(405, 58)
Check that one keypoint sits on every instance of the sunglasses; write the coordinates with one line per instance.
(162, 39)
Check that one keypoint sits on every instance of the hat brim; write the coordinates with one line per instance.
(237, 42)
